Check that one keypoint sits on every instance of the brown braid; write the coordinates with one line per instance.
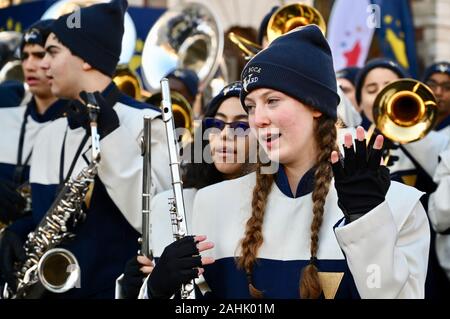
(310, 286)
(253, 231)
(253, 239)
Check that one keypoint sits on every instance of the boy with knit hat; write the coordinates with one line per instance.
(19, 124)
(83, 58)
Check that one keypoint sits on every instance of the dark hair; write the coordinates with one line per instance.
(199, 175)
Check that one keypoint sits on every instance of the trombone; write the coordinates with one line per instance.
(282, 21)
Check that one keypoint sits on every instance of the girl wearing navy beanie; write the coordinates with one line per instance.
(316, 227)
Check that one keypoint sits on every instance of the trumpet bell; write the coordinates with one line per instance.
(292, 16)
(58, 270)
(405, 110)
(283, 20)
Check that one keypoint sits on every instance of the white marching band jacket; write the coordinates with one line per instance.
(439, 211)
(386, 250)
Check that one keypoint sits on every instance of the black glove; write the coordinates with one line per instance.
(11, 252)
(388, 147)
(361, 182)
(12, 204)
(176, 266)
(107, 120)
(133, 278)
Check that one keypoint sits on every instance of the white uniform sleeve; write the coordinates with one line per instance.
(387, 260)
(426, 151)
(119, 292)
(439, 202)
(121, 169)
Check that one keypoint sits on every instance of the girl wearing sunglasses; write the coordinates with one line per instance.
(299, 233)
(225, 143)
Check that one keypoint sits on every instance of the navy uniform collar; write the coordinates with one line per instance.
(56, 110)
(443, 124)
(111, 95)
(304, 187)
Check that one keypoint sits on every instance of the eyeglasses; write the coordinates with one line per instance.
(240, 128)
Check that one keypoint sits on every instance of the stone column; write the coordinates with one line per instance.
(432, 23)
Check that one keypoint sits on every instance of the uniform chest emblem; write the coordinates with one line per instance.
(330, 283)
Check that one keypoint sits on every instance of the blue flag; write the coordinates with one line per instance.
(396, 33)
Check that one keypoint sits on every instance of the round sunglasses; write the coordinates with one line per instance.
(240, 128)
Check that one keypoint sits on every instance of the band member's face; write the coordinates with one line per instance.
(230, 147)
(284, 126)
(375, 81)
(349, 90)
(32, 55)
(63, 69)
(439, 83)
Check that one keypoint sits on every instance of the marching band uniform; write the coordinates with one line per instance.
(439, 212)
(427, 150)
(20, 124)
(108, 236)
(397, 229)
(194, 178)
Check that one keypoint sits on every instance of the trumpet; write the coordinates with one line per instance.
(405, 111)
(177, 209)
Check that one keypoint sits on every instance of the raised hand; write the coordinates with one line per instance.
(361, 181)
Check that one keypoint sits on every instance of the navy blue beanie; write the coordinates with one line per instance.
(231, 90)
(188, 77)
(262, 32)
(439, 67)
(374, 64)
(98, 39)
(37, 33)
(349, 73)
(299, 64)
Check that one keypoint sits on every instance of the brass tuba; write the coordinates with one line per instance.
(283, 20)
(188, 37)
(405, 111)
(10, 65)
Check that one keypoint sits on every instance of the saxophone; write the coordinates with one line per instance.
(177, 210)
(47, 267)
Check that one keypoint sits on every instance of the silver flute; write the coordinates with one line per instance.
(177, 210)
(145, 240)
